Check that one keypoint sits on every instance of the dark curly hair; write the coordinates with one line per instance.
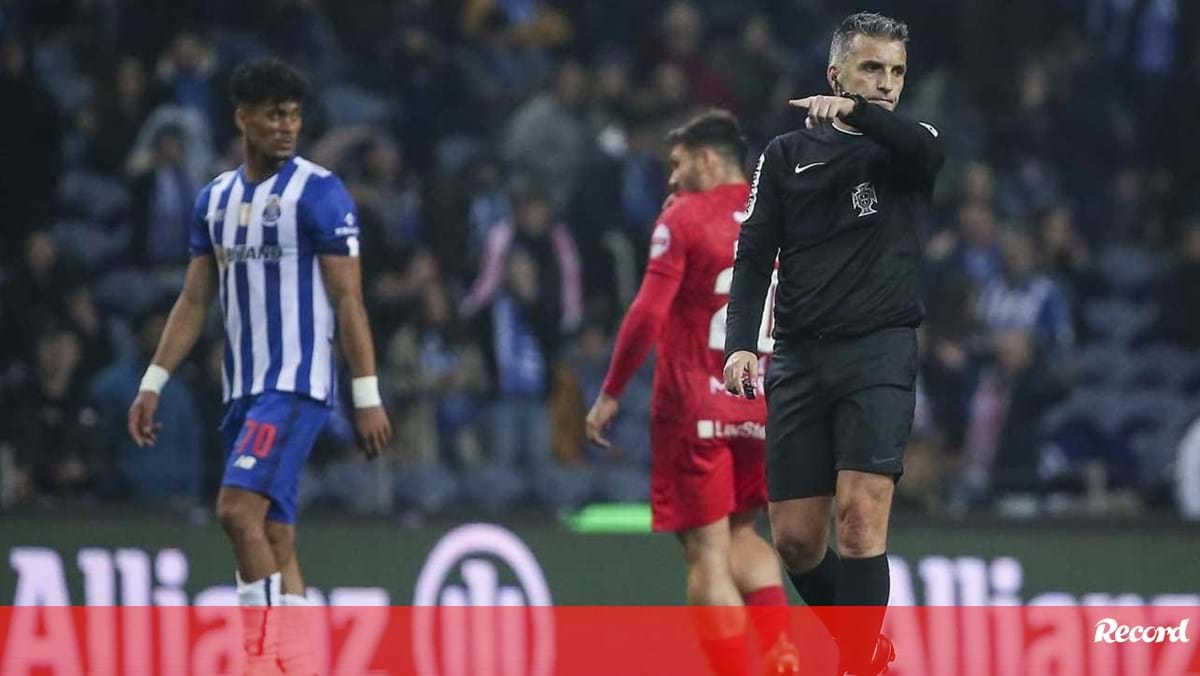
(268, 80)
(717, 129)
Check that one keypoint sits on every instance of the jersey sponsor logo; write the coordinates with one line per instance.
(929, 128)
(660, 241)
(242, 253)
(715, 429)
(802, 169)
(272, 211)
(483, 565)
(754, 186)
(863, 199)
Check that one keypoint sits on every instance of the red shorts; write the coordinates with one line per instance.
(704, 470)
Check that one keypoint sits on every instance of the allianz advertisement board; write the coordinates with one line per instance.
(110, 562)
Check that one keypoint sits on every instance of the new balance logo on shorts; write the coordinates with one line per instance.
(245, 462)
(715, 429)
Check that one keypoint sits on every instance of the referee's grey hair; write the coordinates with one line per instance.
(864, 23)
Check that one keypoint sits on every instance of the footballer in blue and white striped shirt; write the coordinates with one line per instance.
(277, 241)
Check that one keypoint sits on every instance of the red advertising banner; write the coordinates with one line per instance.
(541, 640)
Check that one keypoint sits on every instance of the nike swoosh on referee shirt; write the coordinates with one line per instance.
(802, 169)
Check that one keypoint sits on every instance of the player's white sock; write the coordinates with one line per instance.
(259, 634)
(296, 654)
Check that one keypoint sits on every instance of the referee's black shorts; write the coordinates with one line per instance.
(838, 404)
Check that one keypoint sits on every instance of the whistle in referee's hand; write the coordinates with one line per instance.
(747, 388)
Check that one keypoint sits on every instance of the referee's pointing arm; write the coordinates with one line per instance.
(757, 247)
(915, 146)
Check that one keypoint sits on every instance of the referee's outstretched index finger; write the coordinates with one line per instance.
(805, 102)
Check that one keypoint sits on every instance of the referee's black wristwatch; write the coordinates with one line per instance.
(859, 101)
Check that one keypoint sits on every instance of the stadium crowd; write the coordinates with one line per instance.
(507, 163)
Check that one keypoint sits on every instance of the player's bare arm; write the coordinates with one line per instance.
(343, 284)
(180, 334)
(639, 330)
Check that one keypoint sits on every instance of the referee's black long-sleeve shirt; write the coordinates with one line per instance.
(841, 210)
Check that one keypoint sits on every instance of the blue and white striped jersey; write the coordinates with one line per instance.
(266, 236)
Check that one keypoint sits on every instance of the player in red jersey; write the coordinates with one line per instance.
(707, 475)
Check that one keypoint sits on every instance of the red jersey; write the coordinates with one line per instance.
(680, 309)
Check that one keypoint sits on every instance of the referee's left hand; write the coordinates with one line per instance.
(823, 109)
(741, 373)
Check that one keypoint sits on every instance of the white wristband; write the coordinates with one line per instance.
(365, 392)
(156, 376)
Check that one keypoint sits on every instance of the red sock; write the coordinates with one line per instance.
(768, 608)
(728, 655)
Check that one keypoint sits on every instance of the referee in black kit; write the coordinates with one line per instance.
(839, 202)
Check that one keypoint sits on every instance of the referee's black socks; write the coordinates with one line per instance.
(863, 586)
(818, 588)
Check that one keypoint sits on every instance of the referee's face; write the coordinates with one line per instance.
(272, 128)
(874, 68)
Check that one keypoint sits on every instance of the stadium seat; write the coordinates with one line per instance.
(1159, 366)
(90, 243)
(1100, 366)
(346, 105)
(92, 196)
(1130, 271)
(1078, 426)
(1118, 321)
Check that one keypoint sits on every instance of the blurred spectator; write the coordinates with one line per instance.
(174, 466)
(83, 316)
(40, 284)
(30, 135)
(164, 203)
(972, 251)
(682, 41)
(1068, 259)
(924, 474)
(431, 88)
(497, 72)
(555, 294)
(110, 122)
(490, 202)
(188, 68)
(1002, 448)
(389, 196)
(546, 139)
(752, 65)
(50, 420)
(438, 377)
(188, 126)
(1178, 293)
(1024, 299)
(609, 111)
